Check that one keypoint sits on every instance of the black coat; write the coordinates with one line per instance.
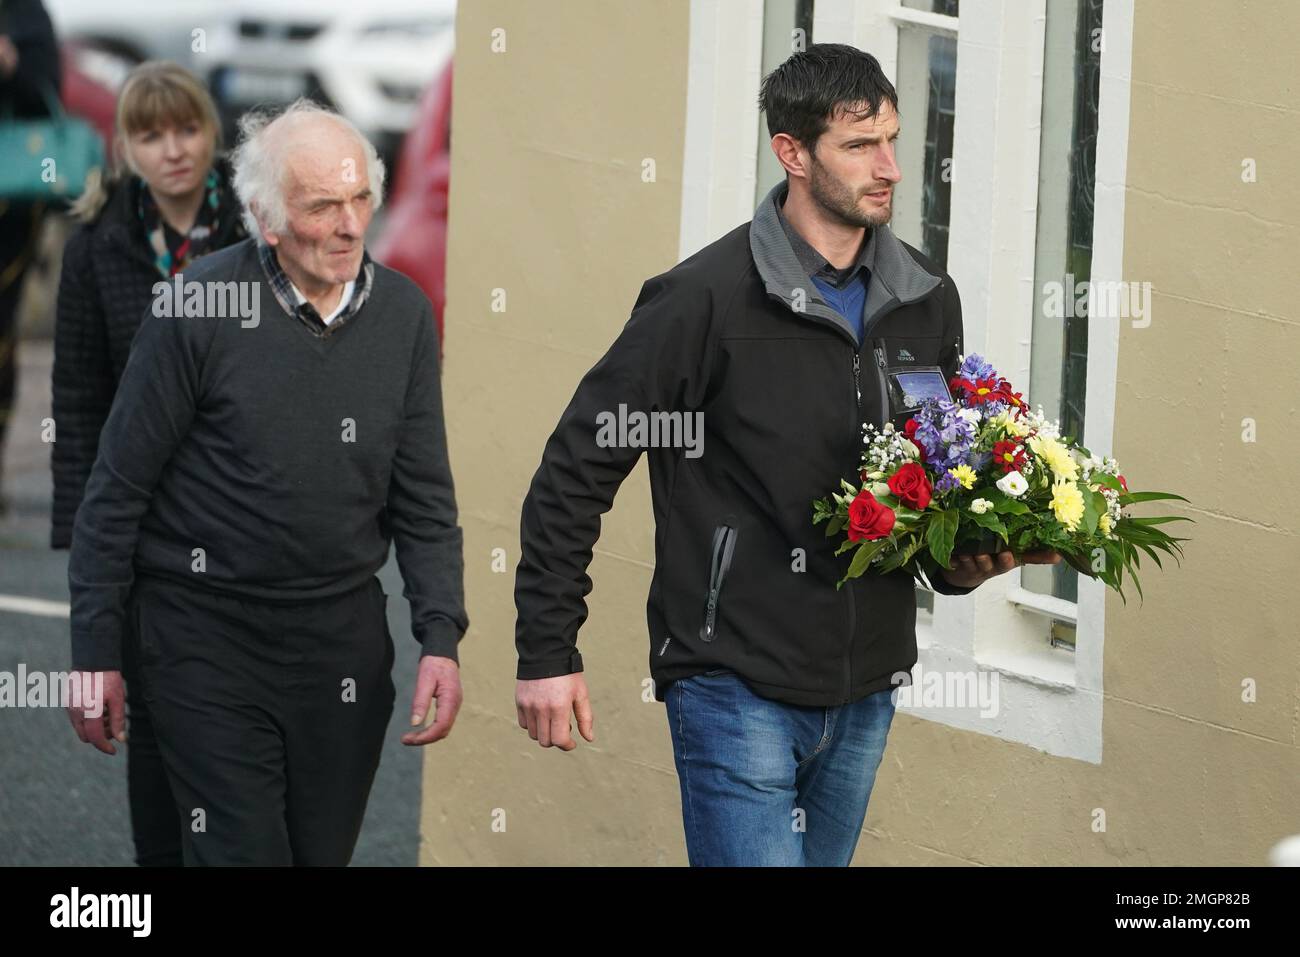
(105, 288)
(737, 337)
(27, 24)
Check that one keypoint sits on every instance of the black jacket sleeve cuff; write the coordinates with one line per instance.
(941, 586)
(532, 670)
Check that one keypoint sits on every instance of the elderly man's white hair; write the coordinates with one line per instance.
(259, 166)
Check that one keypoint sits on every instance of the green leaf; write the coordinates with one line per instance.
(862, 557)
(1090, 512)
(1102, 478)
(990, 521)
(902, 555)
(941, 535)
(834, 526)
(1132, 497)
(1152, 552)
(1078, 564)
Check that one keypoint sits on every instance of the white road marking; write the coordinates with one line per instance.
(35, 606)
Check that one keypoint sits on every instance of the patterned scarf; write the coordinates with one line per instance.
(174, 251)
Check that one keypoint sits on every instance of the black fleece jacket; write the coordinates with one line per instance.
(743, 580)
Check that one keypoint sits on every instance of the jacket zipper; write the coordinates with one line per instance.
(879, 349)
(724, 543)
(848, 592)
(884, 411)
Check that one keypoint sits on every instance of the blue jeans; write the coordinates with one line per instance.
(766, 783)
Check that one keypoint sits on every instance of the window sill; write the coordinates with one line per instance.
(1045, 605)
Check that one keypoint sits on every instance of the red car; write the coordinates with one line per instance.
(87, 93)
(413, 237)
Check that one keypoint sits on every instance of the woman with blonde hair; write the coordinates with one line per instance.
(171, 203)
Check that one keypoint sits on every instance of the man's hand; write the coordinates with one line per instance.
(438, 683)
(8, 57)
(544, 706)
(101, 713)
(969, 571)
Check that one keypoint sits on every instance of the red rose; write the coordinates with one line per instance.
(868, 518)
(911, 486)
(1122, 482)
(909, 433)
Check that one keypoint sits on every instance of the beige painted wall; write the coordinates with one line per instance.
(1190, 774)
(548, 204)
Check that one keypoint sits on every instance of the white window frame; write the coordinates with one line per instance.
(1049, 698)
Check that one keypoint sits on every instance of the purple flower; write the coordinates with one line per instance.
(945, 435)
(976, 368)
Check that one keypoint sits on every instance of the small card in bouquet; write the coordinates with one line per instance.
(908, 388)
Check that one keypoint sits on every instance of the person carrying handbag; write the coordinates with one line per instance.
(172, 203)
(29, 76)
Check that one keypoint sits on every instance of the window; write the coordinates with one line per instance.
(1030, 112)
(926, 82)
(787, 26)
(1063, 245)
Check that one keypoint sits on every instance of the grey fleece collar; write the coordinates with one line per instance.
(894, 273)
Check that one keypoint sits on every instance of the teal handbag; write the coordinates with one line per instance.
(48, 158)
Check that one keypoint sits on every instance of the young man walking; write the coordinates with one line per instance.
(775, 338)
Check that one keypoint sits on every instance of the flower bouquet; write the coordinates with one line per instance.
(979, 473)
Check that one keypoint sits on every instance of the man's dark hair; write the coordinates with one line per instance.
(804, 93)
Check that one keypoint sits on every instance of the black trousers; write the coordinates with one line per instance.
(267, 719)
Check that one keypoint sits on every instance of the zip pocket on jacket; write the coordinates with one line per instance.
(724, 544)
(903, 388)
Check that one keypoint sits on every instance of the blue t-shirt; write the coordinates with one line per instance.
(849, 301)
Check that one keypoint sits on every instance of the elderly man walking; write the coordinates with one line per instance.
(279, 423)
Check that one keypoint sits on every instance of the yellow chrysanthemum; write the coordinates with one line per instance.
(1010, 426)
(1067, 504)
(964, 474)
(1103, 524)
(1055, 456)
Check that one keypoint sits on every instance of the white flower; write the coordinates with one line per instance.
(970, 415)
(880, 489)
(980, 506)
(1014, 484)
